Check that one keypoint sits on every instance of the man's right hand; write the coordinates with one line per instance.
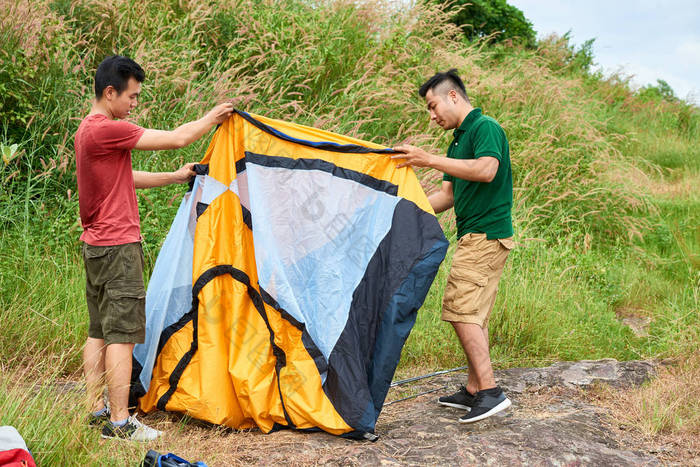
(220, 113)
(412, 155)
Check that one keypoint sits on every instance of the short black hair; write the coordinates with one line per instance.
(115, 71)
(450, 78)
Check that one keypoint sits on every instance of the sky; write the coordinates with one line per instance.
(650, 39)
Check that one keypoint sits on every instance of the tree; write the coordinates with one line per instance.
(662, 90)
(481, 18)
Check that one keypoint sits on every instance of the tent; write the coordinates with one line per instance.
(288, 283)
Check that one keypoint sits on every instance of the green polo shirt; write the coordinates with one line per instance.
(482, 207)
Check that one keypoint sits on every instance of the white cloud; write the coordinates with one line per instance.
(688, 51)
(650, 39)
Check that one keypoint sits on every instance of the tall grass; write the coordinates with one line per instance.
(344, 66)
(49, 413)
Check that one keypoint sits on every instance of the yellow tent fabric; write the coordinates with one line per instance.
(310, 253)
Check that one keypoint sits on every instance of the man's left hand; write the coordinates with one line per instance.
(412, 155)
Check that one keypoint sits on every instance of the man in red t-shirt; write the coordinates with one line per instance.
(111, 234)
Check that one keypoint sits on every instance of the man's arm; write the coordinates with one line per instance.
(154, 179)
(444, 199)
(153, 140)
(482, 169)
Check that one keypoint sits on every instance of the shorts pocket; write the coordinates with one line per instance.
(503, 247)
(127, 306)
(94, 252)
(507, 243)
(463, 291)
(131, 258)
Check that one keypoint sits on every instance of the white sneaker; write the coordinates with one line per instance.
(133, 430)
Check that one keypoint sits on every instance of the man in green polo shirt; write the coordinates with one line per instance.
(478, 183)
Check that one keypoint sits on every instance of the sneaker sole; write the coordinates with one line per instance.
(502, 406)
(115, 437)
(453, 405)
(119, 438)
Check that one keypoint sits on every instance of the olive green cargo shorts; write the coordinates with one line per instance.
(472, 284)
(116, 297)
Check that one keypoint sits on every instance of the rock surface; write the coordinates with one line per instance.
(576, 374)
(548, 424)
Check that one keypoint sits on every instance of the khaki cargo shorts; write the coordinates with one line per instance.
(116, 297)
(472, 284)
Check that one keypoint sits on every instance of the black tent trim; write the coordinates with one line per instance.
(324, 145)
(323, 166)
(205, 278)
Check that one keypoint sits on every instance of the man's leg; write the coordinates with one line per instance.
(475, 343)
(94, 368)
(489, 398)
(118, 374)
(472, 386)
(469, 297)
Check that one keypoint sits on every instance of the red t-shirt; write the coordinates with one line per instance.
(109, 211)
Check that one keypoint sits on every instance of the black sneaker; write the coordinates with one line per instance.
(98, 420)
(486, 403)
(134, 430)
(461, 399)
